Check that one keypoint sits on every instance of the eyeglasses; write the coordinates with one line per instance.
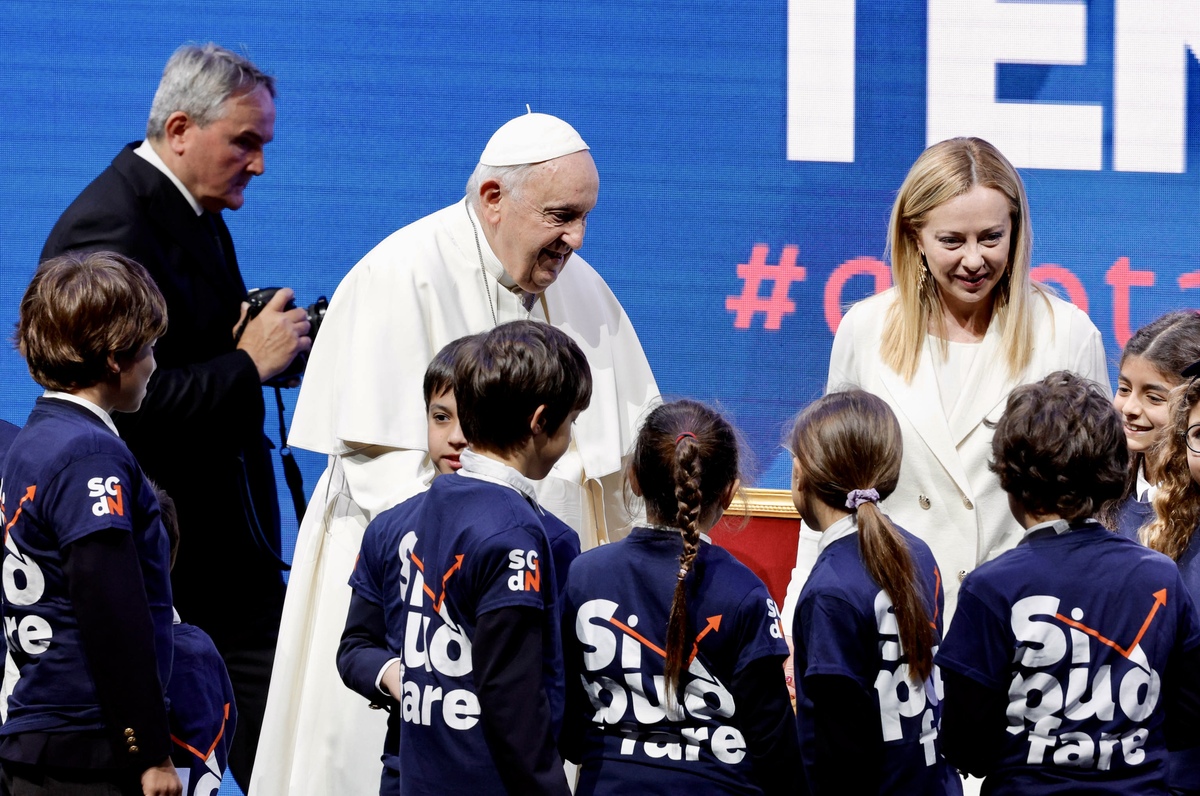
(1192, 437)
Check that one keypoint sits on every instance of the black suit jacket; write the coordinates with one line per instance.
(199, 433)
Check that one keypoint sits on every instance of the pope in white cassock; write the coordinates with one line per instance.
(504, 253)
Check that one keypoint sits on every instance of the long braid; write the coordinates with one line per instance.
(684, 462)
(687, 518)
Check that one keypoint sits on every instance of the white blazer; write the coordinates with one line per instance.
(946, 495)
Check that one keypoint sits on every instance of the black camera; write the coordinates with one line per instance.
(259, 298)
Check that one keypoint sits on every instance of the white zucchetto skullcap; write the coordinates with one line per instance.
(531, 138)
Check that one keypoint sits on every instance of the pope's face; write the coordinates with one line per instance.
(219, 160)
(540, 226)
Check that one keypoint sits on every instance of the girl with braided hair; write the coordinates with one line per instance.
(673, 648)
(868, 619)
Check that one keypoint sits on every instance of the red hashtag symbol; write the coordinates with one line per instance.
(753, 274)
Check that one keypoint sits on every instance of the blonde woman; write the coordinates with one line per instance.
(962, 326)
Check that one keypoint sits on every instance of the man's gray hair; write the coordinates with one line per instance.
(197, 80)
(513, 178)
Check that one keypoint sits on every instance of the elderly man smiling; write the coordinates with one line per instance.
(506, 252)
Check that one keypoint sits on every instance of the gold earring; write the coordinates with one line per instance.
(922, 278)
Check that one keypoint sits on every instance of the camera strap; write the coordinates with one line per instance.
(291, 470)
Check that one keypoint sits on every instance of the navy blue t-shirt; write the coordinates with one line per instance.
(615, 616)
(1077, 628)
(66, 476)
(1132, 515)
(203, 712)
(8, 433)
(564, 547)
(435, 563)
(845, 626)
(1185, 765)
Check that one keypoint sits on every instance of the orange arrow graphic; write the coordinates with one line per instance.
(624, 628)
(1160, 599)
(29, 493)
(714, 624)
(437, 600)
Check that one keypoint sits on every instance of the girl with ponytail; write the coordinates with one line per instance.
(868, 621)
(673, 648)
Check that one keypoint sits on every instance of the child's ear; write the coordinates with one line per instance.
(537, 421)
(113, 366)
(631, 477)
(730, 491)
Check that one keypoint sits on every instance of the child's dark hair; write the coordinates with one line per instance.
(501, 377)
(848, 444)
(170, 518)
(1169, 344)
(79, 309)
(684, 461)
(1177, 504)
(439, 376)
(1059, 448)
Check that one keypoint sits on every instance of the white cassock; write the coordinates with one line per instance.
(362, 403)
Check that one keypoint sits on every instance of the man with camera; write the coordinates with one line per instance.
(199, 432)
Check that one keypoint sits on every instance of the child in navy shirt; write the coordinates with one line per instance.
(203, 713)
(1174, 529)
(1174, 526)
(1073, 659)
(445, 436)
(88, 606)
(1150, 369)
(458, 584)
(869, 618)
(674, 649)
(8, 432)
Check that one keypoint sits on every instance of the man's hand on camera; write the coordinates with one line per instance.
(275, 337)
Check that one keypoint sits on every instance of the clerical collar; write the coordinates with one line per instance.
(147, 153)
(846, 526)
(492, 265)
(482, 468)
(86, 404)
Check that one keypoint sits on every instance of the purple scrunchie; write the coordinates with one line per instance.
(857, 497)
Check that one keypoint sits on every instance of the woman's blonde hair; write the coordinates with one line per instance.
(944, 172)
